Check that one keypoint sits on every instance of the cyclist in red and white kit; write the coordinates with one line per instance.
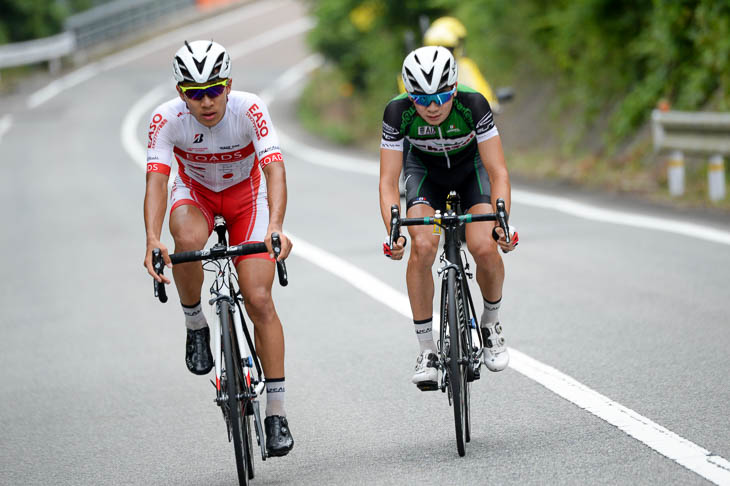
(230, 164)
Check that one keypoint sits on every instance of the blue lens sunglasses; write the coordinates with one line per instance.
(427, 99)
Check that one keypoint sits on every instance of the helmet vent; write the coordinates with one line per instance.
(217, 66)
(199, 64)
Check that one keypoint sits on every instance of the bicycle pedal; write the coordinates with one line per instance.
(427, 386)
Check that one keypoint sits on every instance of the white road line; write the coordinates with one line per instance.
(710, 466)
(128, 55)
(5, 123)
(684, 452)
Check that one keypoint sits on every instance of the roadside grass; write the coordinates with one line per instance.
(329, 108)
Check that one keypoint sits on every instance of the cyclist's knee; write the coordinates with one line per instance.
(424, 248)
(189, 240)
(483, 250)
(259, 303)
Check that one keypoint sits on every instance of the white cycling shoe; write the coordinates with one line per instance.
(426, 375)
(495, 355)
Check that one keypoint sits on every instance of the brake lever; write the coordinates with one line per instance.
(159, 265)
(280, 265)
(394, 224)
(502, 218)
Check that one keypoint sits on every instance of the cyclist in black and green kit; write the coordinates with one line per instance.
(454, 145)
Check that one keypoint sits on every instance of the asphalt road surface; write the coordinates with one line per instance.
(94, 389)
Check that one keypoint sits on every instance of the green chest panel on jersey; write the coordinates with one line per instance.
(453, 136)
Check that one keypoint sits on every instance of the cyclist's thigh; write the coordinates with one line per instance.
(246, 209)
(191, 216)
(479, 235)
(473, 186)
(421, 187)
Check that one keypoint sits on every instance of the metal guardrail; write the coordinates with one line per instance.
(104, 22)
(38, 50)
(696, 133)
(119, 17)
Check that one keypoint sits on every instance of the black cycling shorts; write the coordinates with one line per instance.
(429, 185)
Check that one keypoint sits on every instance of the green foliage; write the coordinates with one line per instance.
(608, 56)
(23, 20)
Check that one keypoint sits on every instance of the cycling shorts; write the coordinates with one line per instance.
(244, 206)
(430, 185)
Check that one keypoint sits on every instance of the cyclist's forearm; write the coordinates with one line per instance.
(492, 155)
(276, 193)
(155, 205)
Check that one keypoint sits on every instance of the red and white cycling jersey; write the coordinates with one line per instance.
(218, 157)
(219, 168)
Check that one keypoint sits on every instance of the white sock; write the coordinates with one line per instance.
(275, 397)
(194, 317)
(425, 334)
(491, 312)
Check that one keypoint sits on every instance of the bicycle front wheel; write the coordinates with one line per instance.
(234, 386)
(457, 371)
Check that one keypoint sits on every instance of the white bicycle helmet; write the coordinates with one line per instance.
(201, 61)
(429, 70)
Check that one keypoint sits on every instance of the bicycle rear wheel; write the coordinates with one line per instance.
(457, 371)
(234, 387)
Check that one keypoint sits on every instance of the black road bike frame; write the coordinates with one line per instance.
(459, 356)
(239, 380)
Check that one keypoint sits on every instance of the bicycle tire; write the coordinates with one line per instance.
(465, 345)
(234, 374)
(457, 374)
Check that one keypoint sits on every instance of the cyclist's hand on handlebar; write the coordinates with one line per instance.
(397, 249)
(151, 245)
(286, 244)
(498, 235)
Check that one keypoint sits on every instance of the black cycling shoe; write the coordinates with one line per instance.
(197, 351)
(278, 436)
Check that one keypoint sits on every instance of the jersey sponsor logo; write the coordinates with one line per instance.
(275, 157)
(388, 130)
(392, 145)
(272, 148)
(259, 122)
(219, 157)
(198, 138)
(437, 146)
(426, 130)
(158, 121)
(452, 128)
(156, 167)
(420, 200)
(485, 123)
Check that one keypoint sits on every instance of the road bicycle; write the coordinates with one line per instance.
(239, 380)
(460, 344)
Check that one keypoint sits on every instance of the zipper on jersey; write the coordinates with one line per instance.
(441, 139)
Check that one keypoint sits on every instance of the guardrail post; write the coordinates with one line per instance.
(716, 178)
(675, 173)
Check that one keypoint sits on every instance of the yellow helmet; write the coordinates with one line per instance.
(438, 35)
(452, 24)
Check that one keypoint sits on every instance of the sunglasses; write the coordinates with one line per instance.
(439, 98)
(210, 90)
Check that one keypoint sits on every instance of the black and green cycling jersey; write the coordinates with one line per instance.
(450, 144)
